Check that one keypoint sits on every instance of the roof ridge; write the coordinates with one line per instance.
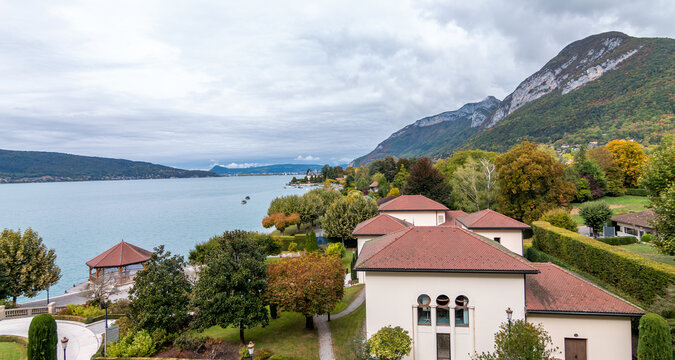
(396, 237)
(498, 246)
(578, 276)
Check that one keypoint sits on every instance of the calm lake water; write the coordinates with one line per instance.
(82, 219)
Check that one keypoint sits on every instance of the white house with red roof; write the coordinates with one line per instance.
(450, 288)
(495, 226)
(415, 209)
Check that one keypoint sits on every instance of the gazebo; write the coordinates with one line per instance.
(122, 256)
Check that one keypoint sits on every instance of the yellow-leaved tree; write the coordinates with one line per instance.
(630, 157)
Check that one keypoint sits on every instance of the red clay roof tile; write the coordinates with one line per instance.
(490, 219)
(380, 225)
(451, 216)
(412, 203)
(121, 254)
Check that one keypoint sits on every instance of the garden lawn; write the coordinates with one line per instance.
(345, 330)
(350, 294)
(284, 336)
(650, 252)
(12, 351)
(619, 205)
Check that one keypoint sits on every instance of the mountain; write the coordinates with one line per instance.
(435, 135)
(38, 166)
(267, 169)
(600, 88)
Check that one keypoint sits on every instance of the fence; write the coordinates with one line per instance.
(51, 308)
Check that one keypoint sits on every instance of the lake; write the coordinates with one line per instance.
(82, 219)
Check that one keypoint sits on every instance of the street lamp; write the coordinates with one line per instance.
(105, 303)
(64, 344)
(251, 346)
(509, 315)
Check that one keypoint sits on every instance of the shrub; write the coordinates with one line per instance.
(535, 255)
(595, 215)
(521, 340)
(134, 344)
(647, 238)
(336, 249)
(259, 354)
(310, 243)
(292, 246)
(85, 311)
(619, 240)
(637, 276)
(654, 342)
(561, 218)
(637, 192)
(188, 342)
(390, 343)
(120, 306)
(42, 338)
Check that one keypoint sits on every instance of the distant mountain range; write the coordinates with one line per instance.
(267, 169)
(600, 88)
(37, 166)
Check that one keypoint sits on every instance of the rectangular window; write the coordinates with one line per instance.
(443, 346)
(424, 315)
(462, 317)
(498, 239)
(442, 316)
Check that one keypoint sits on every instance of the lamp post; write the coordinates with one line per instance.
(64, 344)
(251, 346)
(105, 303)
(509, 315)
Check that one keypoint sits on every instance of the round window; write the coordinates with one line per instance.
(423, 300)
(442, 300)
(462, 301)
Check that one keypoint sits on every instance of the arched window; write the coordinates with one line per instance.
(423, 310)
(461, 311)
(442, 310)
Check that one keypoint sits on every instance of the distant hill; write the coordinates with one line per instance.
(600, 88)
(267, 169)
(37, 166)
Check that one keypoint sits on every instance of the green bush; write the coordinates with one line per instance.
(637, 192)
(619, 240)
(647, 238)
(285, 241)
(292, 246)
(535, 255)
(310, 243)
(655, 341)
(637, 276)
(134, 344)
(188, 342)
(561, 218)
(42, 338)
(336, 249)
(85, 311)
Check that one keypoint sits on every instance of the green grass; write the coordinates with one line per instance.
(12, 351)
(344, 330)
(350, 294)
(347, 259)
(284, 336)
(620, 204)
(650, 252)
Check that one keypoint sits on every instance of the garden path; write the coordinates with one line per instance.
(321, 322)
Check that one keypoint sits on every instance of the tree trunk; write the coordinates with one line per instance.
(309, 323)
(241, 333)
(14, 301)
(273, 311)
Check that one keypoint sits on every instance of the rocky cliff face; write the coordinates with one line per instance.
(577, 64)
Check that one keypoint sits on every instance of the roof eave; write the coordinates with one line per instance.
(478, 271)
(586, 313)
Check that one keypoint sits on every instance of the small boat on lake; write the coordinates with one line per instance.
(248, 198)
(243, 202)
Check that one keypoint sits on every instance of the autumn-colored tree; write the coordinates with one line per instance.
(630, 157)
(531, 182)
(613, 172)
(310, 284)
(426, 180)
(281, 221)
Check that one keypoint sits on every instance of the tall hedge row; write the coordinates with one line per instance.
(42, 338)
(641, 278)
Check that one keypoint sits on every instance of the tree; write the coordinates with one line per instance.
(561, 218)
(281, 221)
(31, 267)
(654, 341)
(400, 178)
(336, 249)
(630, 157)
(42, 338)
(613, 173)
(595, 215)
(310, 284)
(659, 181)
(390, 343)
(386, 166)
(285, 204)
(344, 214)
(4, 282)
(592, 172)
(530, 183)
(310, 208)
(310, 243)
(474, 185)
(160, 295)
(426, 180)
(393, 192)
(521, 340)
(448, 166)
(231, 285)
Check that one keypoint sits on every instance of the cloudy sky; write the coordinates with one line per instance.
(191, 83)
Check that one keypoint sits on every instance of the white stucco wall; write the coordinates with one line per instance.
(419, 218)
(360, 240)
(391, 299)
(511, 239)
(607, 337)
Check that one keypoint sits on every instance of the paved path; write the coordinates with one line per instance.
(322, 327)
(82, 342)
(61, 300)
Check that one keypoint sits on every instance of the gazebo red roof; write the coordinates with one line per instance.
(121, 254)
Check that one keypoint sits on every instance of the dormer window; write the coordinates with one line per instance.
(423, 310)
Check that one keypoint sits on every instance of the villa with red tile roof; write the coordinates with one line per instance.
(495, 226)
(415, 209)
(451, 287)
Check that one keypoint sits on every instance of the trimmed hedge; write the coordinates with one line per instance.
(15, 339)
(654, 339)
(637, 192)
(637, 276)
(42, 338)
(285, 241)
(535, 255)
(619, 240)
